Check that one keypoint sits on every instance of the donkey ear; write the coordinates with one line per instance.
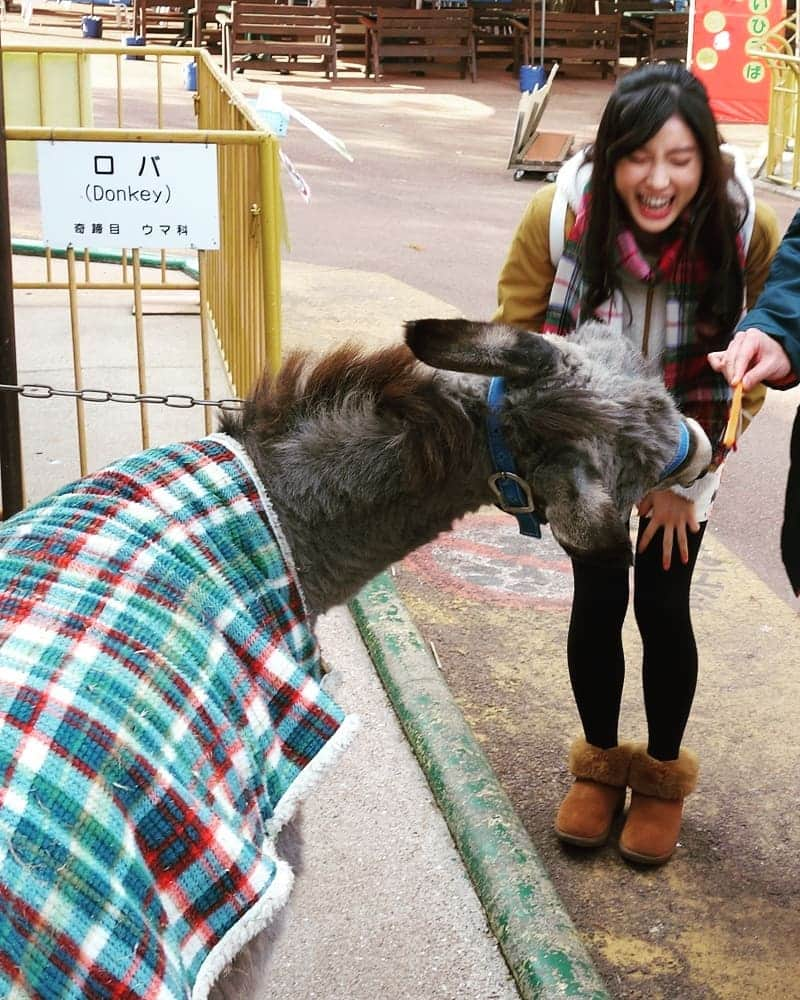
(460, 345)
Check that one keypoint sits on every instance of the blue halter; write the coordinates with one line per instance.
(513, 494)
(681, 451)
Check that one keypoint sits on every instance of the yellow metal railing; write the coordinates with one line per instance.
(251, 179)
(88, 99)
(778, 50)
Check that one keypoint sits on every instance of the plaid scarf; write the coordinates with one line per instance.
(698, 391)
(160, 718)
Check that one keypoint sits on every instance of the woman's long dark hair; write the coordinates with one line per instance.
(641, 103)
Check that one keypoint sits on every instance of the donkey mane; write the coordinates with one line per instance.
(401, 392)
(344, 387)
(306, 383)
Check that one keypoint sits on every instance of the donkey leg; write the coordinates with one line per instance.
(247, 975)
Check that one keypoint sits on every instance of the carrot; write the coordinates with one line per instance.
(732, 427)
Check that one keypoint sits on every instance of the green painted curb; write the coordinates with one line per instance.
(537, 937)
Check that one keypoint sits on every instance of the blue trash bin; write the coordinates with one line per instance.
(531, 77)
(91, 27)
(134, 40)
(190, 76)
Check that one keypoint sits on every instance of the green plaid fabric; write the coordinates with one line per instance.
(160, 715)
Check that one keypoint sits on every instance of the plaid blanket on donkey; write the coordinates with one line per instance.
(160, 717)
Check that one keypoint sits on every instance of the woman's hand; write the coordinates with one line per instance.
(675, 515)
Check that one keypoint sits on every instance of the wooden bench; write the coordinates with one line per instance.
(636, 18)
(668, 37)
(351, 30)
(577, 40)
(417, 39)
(206, 29)
(164, 22)
(499, 31)
(282, 34)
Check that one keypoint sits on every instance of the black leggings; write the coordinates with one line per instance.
(594, 646)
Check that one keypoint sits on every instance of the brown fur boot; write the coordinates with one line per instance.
(653, 824)
(597, 796)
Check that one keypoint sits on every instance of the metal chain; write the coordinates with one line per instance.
(176, 400)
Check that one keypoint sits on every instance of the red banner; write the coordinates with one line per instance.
(737, 84)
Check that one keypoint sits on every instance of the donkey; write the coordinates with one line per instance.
(368, 458)
(161, 697)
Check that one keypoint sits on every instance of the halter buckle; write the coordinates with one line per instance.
(506, 502)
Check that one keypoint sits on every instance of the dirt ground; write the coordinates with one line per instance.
(721, 919)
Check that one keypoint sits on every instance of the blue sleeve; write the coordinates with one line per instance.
(777, 309)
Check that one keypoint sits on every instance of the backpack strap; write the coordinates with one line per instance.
(558, 221)
(742, 177)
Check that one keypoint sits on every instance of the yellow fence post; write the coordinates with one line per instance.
(271, 225)
(77, 367)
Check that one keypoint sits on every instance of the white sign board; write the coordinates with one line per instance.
(155, 195)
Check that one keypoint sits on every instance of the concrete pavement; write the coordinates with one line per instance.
(384, 906)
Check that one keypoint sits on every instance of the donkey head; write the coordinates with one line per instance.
(589, 429)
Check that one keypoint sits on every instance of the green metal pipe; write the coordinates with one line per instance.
(537, 937)
(35, 248)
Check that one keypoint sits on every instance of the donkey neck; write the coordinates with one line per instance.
(357, 491)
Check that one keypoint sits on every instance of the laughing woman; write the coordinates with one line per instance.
(654, 230)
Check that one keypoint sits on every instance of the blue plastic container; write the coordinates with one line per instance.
(531, 77)
(273, 121)
(190, 76)
(134, 40)
(91, 27)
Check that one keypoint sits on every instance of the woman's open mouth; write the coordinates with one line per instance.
(654, 209)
